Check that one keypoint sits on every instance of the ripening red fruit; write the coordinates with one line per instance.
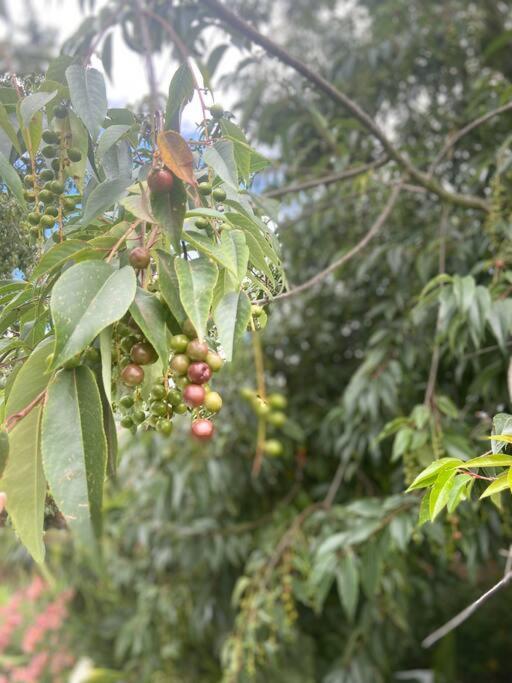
(202, 429)
(143, 353)
(199, 372)
(132, 375)
(160, 181)
(193, 395)
(139, 258)
(197, 350)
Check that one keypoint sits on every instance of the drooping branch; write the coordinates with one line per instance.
(327, 179)
(340, 98)
(460, 618)
(375, 228)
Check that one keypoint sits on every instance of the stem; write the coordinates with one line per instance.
(262, 392)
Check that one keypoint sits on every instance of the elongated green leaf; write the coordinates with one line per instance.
(31, 104)
(489, 461)
(73, 417)
(106, 361)
(88, 96)
(23, 480)
(220, 253)
(428, 475)
(11, 179)
(458, 491)
(221, 158)
(87, 298)
(103, 197)
(4, 451)
(169, 210)
(501, 424)
(347, 581)
(149, 314)
(242, 150)
(8, 128)
(500, 484)
(109, 138)
(57, 256)
(138, 205)
(231, 317)
(206, 212)
(169, 285)
(181, 90)
(197, 279)
(441, 492)
(234, 246)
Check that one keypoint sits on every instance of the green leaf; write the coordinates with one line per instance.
(106, 361)
(489, 461)
(347, 582)
(429, 474)
(103, 197)
(242, 150)
(23, 480)
(12, 180)
(73, 418)
(231, 317)
(501, 424)
(458, 491)
(138, 206)
(109, 138)
(447, 406)
(169, 210)
(500, 484)
(181, 91)
(57, 256)
(424, 513)
(4, 451)
(221, 159)
(150, 315)
(87, 298)
(88, 96)
(8, 128)
(30, 105)
(196, 279)
(169, 285)
(232, 252)
(441, 492)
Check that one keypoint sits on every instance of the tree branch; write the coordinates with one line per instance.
(337, 96)
(327, 179)
(375, 228)
(453, 139)
(466, 613)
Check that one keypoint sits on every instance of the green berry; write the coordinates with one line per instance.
(214, 361)
(273, 447)
(256, 311)
(74, 154)
(29, 180)
(46, 196)
(68, 204)
(179, 343)
(52, 211)
(138, 416)
(158, 392)
(179, 364)
(33, 218)
(217, 111)
(180, 409)
(29, 195)
(261, 407)
(56, 187)
(219, 194)
(174, 397)
(61, 111)
(277, 419)
(202, 223)
(47, 221)
(159, 408)
(47, 174)
(50, 137)
(126, 401)
(247, 393)
(277, 401)
(92, 354)
(204, 188)
(49, 151)
(213, 401)
(56, 165)
(126, 421)
(164, 427)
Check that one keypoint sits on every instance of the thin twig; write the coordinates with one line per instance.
(453, 139)
(121, 240)
(339, 97)
(327, 179)
(460, 618)
(12, 420)
(375, 228)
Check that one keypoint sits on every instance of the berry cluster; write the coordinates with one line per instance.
(45, 186)
(271, 410)
(182, 387)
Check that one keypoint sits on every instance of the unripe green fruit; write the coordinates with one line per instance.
(214, 361)
(68, 204)
(47, 221)
(204, 188)
(273, 447)
(165, 427)
(181, 382)
(213, 401)
(56, 187)
(189, 329)
(179, 364)
(29, 195)
(55, 163)
(46, 196)
(52, 211)
(179, 343)
(158, 392)
(197, 350)
(61, 111)
(247, 393)
(277, 419)
(92, 354)
(46, 174)
(126, 421)
(132, 375)
(28, 180)
(277, 401)
(124, 330)
(256, 310)
(72, 362)
(139, 258)
(174, 397)
(159, 408)
(180, 409)
(202, 223)
(219, 194)
(217, 111)
(126, 401)
(33, 218)
(50, 137)
(49, 151)
(143, 353)
(138, 416)
(261, 407)
(74, 154)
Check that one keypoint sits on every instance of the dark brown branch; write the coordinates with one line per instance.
(455, 137)
(327, 179)
(376, 227)
(337, 96)
(460, 618)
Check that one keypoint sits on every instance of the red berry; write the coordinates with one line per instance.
(199, 372)
(139, 258)
(202, 429)
(143, 353)
(132, 375)
(161, 180)
(197, 350)
(193, 395)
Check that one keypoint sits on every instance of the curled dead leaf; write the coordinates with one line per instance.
(176, 155)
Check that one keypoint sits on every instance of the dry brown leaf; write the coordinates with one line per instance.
(176, 155)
